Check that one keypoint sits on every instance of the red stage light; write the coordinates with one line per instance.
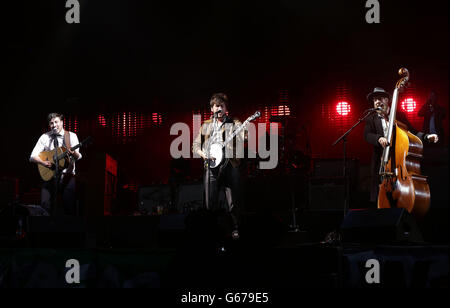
(409, 105)
(343, 108)
(156, 118)
(282, 110)
(102, 120)
(71, 123)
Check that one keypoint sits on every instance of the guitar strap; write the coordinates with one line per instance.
(67, 139)
(67, 144)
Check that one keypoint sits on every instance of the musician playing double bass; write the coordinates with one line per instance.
(55, 138)
(225, 177)
(375, 133)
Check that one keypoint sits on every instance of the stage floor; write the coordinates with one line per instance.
(174, 251)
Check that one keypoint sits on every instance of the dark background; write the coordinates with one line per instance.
(169, 57)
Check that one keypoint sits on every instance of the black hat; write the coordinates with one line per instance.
(377, 91)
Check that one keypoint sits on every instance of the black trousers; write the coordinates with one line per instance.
(66, 194)
(229, 180)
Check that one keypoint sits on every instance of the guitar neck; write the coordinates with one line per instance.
(74, 148)
(237, 131)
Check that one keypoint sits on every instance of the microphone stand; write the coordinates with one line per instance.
(56, 209)
(294, 227)
(208, 160)
(344, 139)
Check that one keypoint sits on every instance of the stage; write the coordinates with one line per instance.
(194, 250)
(311, 94)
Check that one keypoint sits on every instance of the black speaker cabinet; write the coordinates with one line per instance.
(189, 196)
(326, 193)
(154, 198)
(334, 167)
(386, 226)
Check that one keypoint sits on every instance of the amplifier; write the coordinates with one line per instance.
(334, 167)
(189, 197)
(326, 193)
(154, 198)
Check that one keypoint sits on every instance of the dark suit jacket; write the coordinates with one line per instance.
(372, 132)
(439, 115)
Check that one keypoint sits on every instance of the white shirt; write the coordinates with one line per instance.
(384, 123)
(216, 135)
(45, 143)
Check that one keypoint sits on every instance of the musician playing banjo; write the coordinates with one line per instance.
(55, 138)
(222, 174)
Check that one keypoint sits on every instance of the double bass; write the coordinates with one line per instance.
(402, 184)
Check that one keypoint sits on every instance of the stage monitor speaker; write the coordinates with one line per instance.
(63, 224)
(56, 232)
(385, 226)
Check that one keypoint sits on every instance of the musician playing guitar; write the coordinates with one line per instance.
(55, 138)
(225, 176)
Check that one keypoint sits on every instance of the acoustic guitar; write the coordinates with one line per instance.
(48, 173)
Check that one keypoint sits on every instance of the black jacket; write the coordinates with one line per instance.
(439, 115)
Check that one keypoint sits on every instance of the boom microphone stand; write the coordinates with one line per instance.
(344, 139)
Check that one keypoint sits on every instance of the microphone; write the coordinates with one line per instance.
(374, 109)
(217, 112)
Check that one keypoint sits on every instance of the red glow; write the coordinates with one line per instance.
(282, 110)
(111, 165)
(71, 124)
(207, 115)
(343, 108)
(156, 118)
(265, 117)
(409, 105)
(124, 125)
(102, 120)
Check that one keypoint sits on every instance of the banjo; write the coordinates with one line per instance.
(216, 149)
